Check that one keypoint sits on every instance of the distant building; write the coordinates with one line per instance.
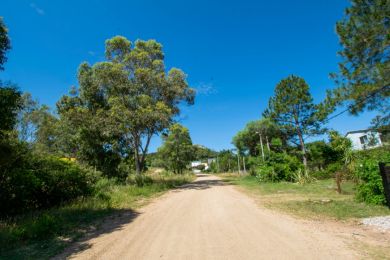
(364, 139)
(195, 163)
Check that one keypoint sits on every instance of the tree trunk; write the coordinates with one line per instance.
(266, 138)
(262, 149)
(302, 143)
(137, 161)
(243, 160)
(338, 181)
(238, 163)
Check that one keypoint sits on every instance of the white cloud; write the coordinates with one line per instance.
(206, 89)
(38, 10)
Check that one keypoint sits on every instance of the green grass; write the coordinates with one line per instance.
(313, 200)
(40, 235)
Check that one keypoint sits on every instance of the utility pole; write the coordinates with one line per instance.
(218, 165)
(238, 162)
(261, 144)
(229, 163)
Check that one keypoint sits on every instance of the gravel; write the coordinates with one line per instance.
(383, 223)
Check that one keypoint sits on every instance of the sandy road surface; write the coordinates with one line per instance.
(209, 220)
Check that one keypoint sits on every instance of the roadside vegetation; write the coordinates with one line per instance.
(276, 152)
(63, 170)
(317, 200)
(41, 234)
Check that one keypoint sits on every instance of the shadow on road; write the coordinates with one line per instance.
(203, 184)
(114, 222)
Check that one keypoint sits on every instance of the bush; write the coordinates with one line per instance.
(32, 182)
(266, 173)
(278, 167)
(328, 172)
(370, 187)
(139, 180)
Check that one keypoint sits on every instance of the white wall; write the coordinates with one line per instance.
(356, 140)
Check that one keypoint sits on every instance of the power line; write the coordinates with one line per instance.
(357, 103)
(353, 105)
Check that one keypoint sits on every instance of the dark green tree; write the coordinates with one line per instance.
(292, 108)
(38, 126)
(364, 76)
(122, 102)
(226, 161)
(256, 137)
(203, 153)
(5, 44)
(177, 149)
(10, 104)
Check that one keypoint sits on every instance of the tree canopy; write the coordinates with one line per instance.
(248, 139)
(364, 76)
(5, 44)
(122, 102)
(177, 149)
(292, 108)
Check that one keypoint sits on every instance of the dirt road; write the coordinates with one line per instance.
(210, 220)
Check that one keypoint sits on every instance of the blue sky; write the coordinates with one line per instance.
(234, 52)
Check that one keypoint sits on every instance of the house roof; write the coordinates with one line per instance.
(361, 131)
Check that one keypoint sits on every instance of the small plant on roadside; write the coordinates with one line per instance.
(343, 146)
(300, 176)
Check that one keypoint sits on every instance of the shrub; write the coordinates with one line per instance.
(278, 167)
(328, 172)
(370, 187)
(139, 180)
(32, 182)
(265, 173)
(301, 176)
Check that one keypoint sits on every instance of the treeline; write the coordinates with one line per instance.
(177, 151)
(275, 147)
(101, 129)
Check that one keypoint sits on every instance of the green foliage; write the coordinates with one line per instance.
(278, 167)
(38, 126)
(316, 199)
(301, 177)
(10, 104)
(122, 102)
(202, 153)
(177, 149)
(320, 155)
(37, 235)
(5, 44)
(370, 187)
(30, 182)
(227, 161)
(139, 180)
(364, 69)
(329, 171)
(292, 108)
(248, 139)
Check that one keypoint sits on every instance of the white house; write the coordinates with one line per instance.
(364, 139)
(194, 164)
